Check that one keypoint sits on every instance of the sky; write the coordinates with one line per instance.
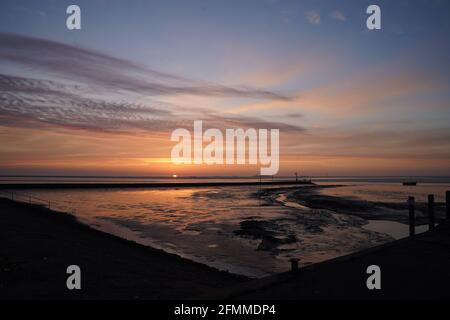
(104, 100)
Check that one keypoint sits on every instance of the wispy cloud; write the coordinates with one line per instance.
(92, 67)
(90, 90)
(26, 102)
(362, 92)
(338, 16)
(313, 17)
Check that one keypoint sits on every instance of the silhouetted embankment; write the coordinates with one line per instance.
(37, 246)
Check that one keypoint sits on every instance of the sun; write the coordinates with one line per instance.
(174, 176)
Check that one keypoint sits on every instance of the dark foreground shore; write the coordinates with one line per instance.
(37, 245)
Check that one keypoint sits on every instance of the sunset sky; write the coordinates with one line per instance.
(104, 100)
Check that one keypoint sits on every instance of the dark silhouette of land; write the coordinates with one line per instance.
(37, 245)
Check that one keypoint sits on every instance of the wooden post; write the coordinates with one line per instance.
(430, 211)
(260, 186)
(294, 264)
(412, 218)
(447, 204)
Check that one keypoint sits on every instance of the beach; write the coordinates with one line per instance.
(38, 244)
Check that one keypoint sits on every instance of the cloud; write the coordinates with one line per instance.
(363, 92)
(97, 92)
(313, 17)
(280, 74)
(34, 103)
(288, 16)
(90, 67)
(395, 140)
(338, 16)
(295, 115)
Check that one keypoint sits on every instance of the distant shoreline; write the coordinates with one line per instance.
(106, 185)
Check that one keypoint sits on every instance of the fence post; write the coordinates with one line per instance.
(294, 264)
(431, 211)
(412, 218)
(447, 204)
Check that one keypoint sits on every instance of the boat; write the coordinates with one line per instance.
(409, 183)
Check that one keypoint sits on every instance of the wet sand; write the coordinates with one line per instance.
(38, 244)
(369, 210)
